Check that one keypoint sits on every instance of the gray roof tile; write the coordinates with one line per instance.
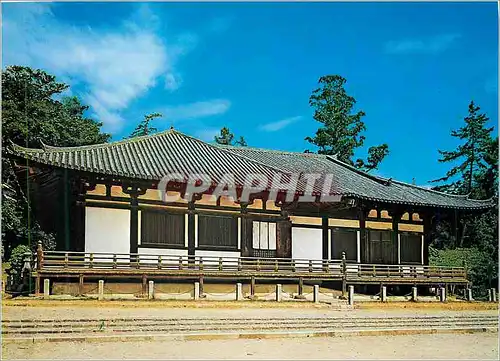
(152, 157)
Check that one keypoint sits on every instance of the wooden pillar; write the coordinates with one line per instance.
(191, 230)
(455, 225)
(363, 237)
(80, 284)
(427, 236)
(66, 210)
(201, 286)
(144, 285)
(324, 228)
(134, 192)
(39, 256)
(284, 236)
(82, 187)
(134, 224)
(37, 284)
(344, 275)
(396, 217)
(252, 286)
(246, 231)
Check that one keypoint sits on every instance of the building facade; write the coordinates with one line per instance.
(109, 199)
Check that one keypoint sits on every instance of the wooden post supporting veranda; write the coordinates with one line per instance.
(344, 276)
(39, 265)
(202, 295)
(80, 284)
(144, 285)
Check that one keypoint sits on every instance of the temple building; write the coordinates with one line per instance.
(103, 202)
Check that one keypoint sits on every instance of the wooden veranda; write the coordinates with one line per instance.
(86, 266)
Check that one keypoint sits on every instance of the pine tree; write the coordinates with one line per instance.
(342, 128)
(227, 138)
(144, 128)
(241, 142)
(470, 154)
(476, 174)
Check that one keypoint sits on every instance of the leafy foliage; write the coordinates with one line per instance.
(342, 129)
(227, 138)
(477, 175)
(481, 271)
(144, 128)
(32, 115)
(470, 154)
(241, 142)
(16, 262)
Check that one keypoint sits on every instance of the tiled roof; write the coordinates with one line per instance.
(350, 181)
(152, 157)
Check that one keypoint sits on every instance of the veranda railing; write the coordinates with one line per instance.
(340, 268)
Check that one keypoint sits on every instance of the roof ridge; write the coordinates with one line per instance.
(266, 150)
(52, 148)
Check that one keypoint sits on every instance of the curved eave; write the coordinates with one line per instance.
(43, 156)
(480, 204)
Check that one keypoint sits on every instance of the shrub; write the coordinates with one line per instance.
(481, 268)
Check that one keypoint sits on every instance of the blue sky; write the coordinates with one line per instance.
(412, 67)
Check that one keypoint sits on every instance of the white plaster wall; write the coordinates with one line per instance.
(107, 230)
(307, 243)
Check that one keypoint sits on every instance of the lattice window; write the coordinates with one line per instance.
(264, 235)
(159, 228)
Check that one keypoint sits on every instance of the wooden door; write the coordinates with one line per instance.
(382, 248)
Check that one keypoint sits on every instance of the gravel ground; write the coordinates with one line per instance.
(453, 346)
(69, 312)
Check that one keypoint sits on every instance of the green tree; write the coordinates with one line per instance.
(227, 138)
(474, 172)
(241, 142)
(470, 155)
(144, 128)
(32, 115)
(342, 129)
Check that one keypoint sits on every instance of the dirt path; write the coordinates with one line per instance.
(68, 312)
(458, 346)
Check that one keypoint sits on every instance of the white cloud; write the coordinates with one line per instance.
(115, 66)
(196, 110)
(433, 44)
(280, 124)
